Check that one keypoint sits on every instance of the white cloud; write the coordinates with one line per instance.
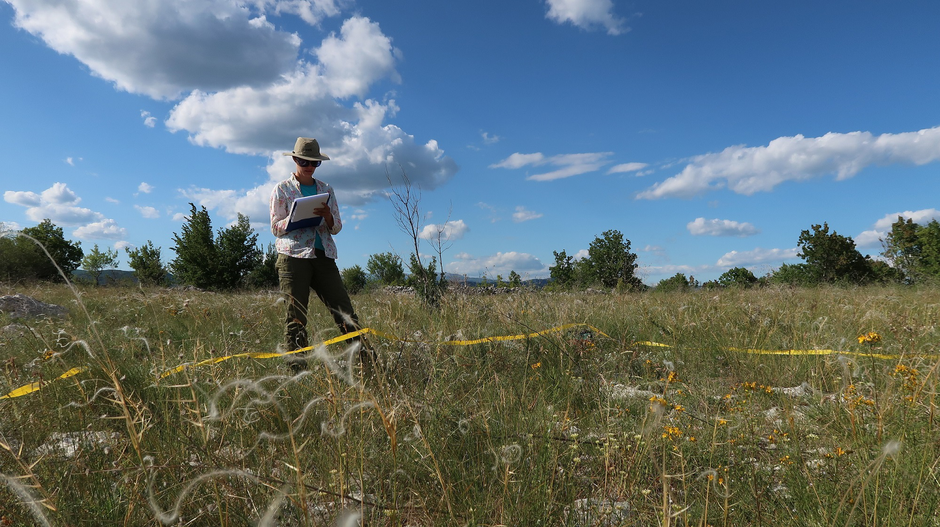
(587, 14)
(9, 226)
(179, 216)
(111, 200)
(147, 212)
(716, 227)
(104, 229)
(568, 164)
(311, 11)
(121, 245)
(165, 48)
(59, 204)
(627, 167)
(522, 214)
(747, 170)
(580, 255)
(60, 194)
(923, 217)
(357, 215)
(359, 57)
(490, 139)
(70, 161)
(524, 264)
(26, 199)
(247, 89)
(267, 121)
(149, 120)
(449, 231)
(873, 237)
(518, 160)
(146, 188)
(649, 273)
(755, 256)
(870, 238)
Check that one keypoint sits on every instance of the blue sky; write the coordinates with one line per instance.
(708, 133)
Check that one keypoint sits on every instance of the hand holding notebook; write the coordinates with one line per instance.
(302, 212)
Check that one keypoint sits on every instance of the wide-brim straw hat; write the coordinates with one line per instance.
(307, 148)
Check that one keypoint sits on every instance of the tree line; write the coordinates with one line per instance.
(231, 258)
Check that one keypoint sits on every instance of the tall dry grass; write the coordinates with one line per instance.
(666, 420)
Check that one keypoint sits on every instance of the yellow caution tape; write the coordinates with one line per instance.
(754, 351)
(35, 386)
(381, 334)
(30, 388)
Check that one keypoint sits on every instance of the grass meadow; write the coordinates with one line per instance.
(657, 411)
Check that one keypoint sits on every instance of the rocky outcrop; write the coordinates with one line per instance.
(22, 306)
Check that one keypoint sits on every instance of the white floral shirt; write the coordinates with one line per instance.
(299, 242)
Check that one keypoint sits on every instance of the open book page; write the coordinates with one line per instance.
(302, 211)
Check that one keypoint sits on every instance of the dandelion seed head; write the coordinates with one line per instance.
(349, 519)
(891, 448)
(463, 426)
(510, 454)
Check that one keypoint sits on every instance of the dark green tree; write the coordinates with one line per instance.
(386, 268)
(678, 282)
(264, 274)
(19, 258)
(146, 263)
(355, 279)
(792, 274)
(514, 279)
(563, 273)
(737, 277)
(220, 262)
(96, 262)
(425, 281)
(67, 255)
(196, 254)
(914, 249)
(610, 262)
(831, 257)
(238, 254)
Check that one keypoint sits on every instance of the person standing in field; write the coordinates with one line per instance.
(306, 257)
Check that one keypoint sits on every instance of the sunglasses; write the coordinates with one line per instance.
(304, 163)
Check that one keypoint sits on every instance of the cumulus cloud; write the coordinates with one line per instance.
(121, 245)
(522, 214)
(147, 212)
(149, 120)
(361, 55)
(162, 49)
(524, 264)
(105, 229)
(357, 139)
(748, 170)
(24, 198)
(70, 161)
(716, 227)
(627, 167)
(881, 228)
(9, 226)
(144, 187)
(567, 164)
(587, 14)
(449, 231)
(60, 205)
(245, 87)
(756, 256)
